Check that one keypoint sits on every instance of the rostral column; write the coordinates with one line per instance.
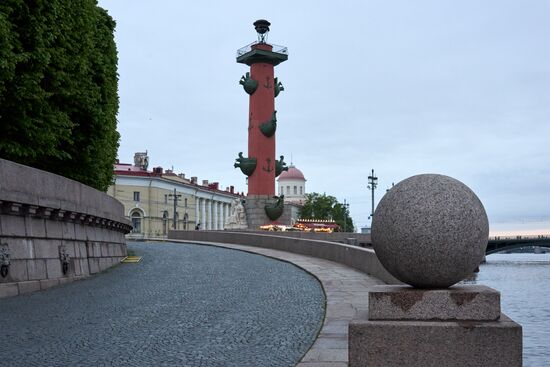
(261, 166)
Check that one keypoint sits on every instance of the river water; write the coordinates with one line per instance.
(524, 283)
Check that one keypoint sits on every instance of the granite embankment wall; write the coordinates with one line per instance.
(54, 230)
(362, 259)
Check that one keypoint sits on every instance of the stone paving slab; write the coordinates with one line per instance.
(346, 293)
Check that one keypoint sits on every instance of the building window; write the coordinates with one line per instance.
(301, 190)
(281, 191)
(136, 221)
(295, 190)
(136, 195)
(185, 202)
(165, 198)
(288, 190)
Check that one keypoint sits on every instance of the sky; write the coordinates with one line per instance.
(460, 88)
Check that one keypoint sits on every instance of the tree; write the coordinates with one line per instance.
(58, 88)
(323, 206)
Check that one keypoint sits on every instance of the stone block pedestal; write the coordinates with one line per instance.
(255, 211)
(458, 326)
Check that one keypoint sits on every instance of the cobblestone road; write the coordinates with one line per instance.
(182, 305)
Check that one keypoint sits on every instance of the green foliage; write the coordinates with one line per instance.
(324, 206)
(58, 88)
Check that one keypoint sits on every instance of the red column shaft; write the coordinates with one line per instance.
(262, 105)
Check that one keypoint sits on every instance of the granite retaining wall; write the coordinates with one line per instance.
(362, 259)
(54, 230)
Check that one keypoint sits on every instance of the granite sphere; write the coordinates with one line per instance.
(430, 231)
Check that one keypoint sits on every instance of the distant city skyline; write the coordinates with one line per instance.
(456, 88)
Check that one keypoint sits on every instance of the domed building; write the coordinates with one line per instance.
(292, 184)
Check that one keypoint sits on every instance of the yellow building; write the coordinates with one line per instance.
(148, 199)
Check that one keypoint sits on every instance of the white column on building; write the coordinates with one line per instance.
(220, 218)
(210, 214)
(214, 215)
(203, 214)
(196, 211)
(224, 219)
(227, 213)
(220, 215)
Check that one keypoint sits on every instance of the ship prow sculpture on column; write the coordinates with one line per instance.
(430, 231)
(262, 166)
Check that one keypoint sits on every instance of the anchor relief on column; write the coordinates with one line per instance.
(268, 167)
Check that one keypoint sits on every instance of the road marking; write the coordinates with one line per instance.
(131, 259)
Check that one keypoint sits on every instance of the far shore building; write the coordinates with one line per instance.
(292, 184)
(148, 199)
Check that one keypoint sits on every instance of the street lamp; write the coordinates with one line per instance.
(175, 197)
(373, 182)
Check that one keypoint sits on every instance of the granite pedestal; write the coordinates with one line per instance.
(255, 212)
(458, 326)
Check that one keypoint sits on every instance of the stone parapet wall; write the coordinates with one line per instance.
(362, 259)
(47, 220)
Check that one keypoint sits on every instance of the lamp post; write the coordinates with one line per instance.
(373, 182)
(176, 198)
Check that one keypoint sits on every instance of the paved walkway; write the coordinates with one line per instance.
(182, 305)
(151, 314)
(346, 292)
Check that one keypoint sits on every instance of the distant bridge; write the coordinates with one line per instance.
(503, 243)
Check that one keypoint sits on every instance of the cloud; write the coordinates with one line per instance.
(458, 88)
